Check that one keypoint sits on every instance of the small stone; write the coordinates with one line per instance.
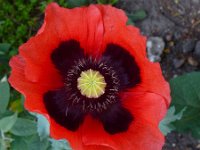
(197, 51)
(155, 47)
(175, 75)
(177, 35)
(171, 44)
(188, 45)
(167, 50)
(198, 146)
(196, 1)
(168, 37)
(178, 62)
(192, 61)
(178, 47)
(173, 144)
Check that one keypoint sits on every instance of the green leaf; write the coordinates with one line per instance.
(24, 127)
(19, 143)
(59, 145)
(112, 2)
(166, 125)
(4, 47)
(2, 144)
(4, 94)
(6, 114)
(7, 123)
(137, 16)
(42, 126)
(29, 143)
(130, 22)
(16, 106)
(3, 60)
(77, 3)
(186, 93)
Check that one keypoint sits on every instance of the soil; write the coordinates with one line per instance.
(177, 22)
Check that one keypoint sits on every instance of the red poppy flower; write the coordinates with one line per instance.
(87, 72)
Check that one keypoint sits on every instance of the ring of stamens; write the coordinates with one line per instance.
(91, 84)
(89, 96)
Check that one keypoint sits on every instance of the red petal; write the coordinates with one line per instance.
(116, 31)
(129, 38)
(60, 24)
(153, 81)
(94, 134)
(82, 24)
(59, 132)
(148, 109)
(33, 93)
(18, 80)
(94, 147)
(94, 27)
(32, 70)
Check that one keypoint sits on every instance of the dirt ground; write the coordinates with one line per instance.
(177, 22)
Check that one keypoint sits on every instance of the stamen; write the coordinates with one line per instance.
(91, 83)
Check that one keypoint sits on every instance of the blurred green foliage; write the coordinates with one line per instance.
(186, 93)
(20, 130)
(19, 19)
(112, 2)
(166, 125)
(137, 15)
(4, 94)
(77, 3)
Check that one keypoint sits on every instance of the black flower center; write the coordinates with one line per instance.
(109, 85)
(92, 86)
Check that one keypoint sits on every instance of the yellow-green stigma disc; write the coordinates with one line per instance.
(91, 84)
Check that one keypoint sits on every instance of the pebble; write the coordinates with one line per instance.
(188, 45)
(155, 47)
(173, 144)
(198, 146)
(178, 62)
(192, 61)
(197, 51)
(168, 37)
(177, 35)
(171, 44)
(196, 2)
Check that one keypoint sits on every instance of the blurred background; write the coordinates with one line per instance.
(172, 28)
